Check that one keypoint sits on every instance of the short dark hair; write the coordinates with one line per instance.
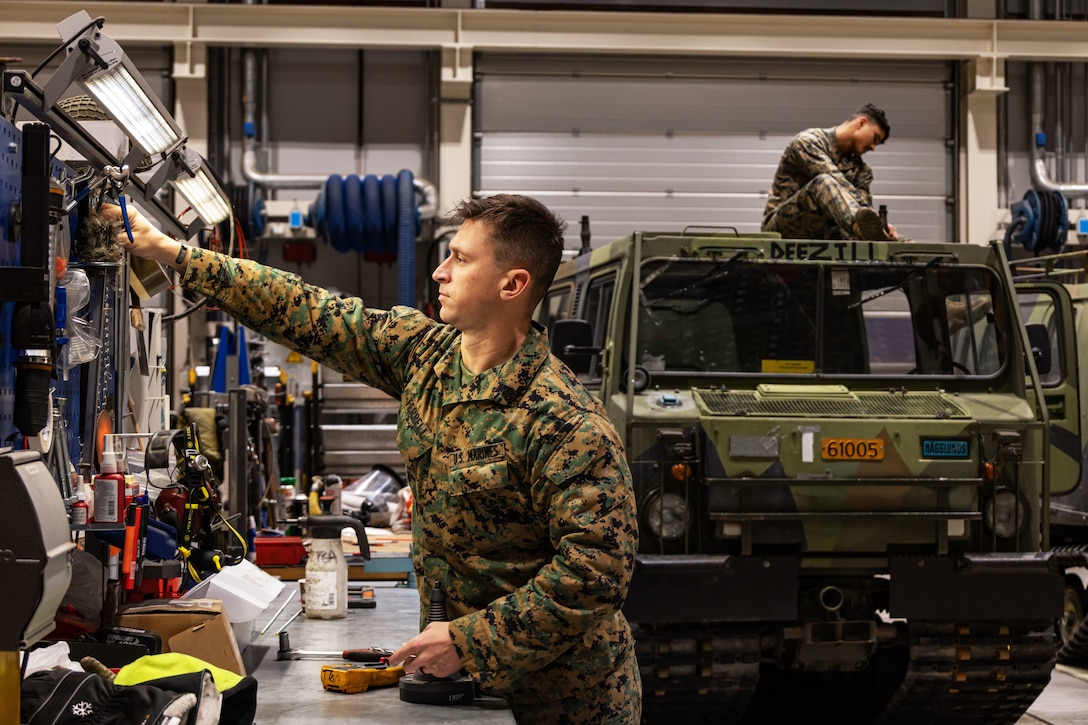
(876, 115)
(525, 234)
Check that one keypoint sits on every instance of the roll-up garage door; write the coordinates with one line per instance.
(666, 143)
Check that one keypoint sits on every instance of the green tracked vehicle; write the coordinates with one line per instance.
(840, 450)
(1061, 309)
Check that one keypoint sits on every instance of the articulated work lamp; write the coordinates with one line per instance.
(95, 62)
(189, 173)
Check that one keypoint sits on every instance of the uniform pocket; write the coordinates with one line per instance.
(476, 479)
(485, 511)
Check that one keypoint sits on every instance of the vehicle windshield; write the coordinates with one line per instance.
(734, 316)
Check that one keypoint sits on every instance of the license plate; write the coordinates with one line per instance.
(852, 449)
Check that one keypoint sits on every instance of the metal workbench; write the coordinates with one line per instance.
(290, 691)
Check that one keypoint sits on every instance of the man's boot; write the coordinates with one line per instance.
(868, 227)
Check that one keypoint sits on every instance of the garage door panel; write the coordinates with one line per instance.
(684, 106)
(598, 163)
(615, 217)
(636, 149)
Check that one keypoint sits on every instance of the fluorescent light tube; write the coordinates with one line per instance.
(123, 98)
(203, 196)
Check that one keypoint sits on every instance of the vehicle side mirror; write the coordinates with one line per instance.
(572, 342)
(1039, 339)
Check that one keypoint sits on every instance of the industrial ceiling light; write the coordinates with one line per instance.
(100, 66)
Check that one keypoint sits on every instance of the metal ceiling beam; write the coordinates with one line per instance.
(708, 34)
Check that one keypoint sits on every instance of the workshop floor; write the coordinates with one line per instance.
(1064, 702)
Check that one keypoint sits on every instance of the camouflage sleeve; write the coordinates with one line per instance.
(366, 344)
(594, 531)
(807, 154)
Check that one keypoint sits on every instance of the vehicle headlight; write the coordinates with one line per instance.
(1003, 514)
(667, 515)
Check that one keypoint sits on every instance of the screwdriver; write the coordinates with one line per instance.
(370, 654)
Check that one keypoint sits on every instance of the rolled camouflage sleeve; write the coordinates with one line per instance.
(863, 180)
(365, 344)
(577, 595)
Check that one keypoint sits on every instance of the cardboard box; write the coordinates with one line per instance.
(196, 627)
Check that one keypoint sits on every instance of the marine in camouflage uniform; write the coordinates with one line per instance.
(523, 508)
(817, 189)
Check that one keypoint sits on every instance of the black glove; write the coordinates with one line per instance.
(66, 697)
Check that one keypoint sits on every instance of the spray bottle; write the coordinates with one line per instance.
(326, 568)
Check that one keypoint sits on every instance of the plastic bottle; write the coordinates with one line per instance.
(80, 510)
(109, 489)
(132, 489)
(326, 568)
(326, 577)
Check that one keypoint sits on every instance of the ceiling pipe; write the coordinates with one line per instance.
(1040, 175)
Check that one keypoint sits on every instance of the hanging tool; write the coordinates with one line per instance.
(350, 679)
(372, 655)
(33, 334)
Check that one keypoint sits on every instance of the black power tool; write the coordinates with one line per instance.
(423, 689)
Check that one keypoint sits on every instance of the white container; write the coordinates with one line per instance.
(245, 590)
(326, 577)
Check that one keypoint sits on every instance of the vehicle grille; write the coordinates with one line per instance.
(853, 405)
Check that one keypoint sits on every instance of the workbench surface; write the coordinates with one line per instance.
(290, 691)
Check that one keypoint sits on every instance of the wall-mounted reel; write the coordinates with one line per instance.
(1040, 222)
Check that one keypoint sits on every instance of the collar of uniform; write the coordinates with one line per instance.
(833, 148)
(502, 384)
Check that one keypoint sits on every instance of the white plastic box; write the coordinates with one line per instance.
(245, 591)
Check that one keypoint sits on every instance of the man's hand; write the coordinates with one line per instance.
(891, 231)
(431, 652)
(147, 241)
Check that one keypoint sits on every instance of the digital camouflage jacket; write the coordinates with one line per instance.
(808, 154)
(523, 507)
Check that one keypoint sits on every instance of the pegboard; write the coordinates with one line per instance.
(11, 173)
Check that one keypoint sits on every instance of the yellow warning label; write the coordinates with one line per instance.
(789, 366)
(294, 357)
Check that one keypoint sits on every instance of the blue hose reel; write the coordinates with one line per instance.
(372, 215)
(1040, 222)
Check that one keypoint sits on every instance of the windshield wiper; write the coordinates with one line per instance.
(898, 286)
(722, 271)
